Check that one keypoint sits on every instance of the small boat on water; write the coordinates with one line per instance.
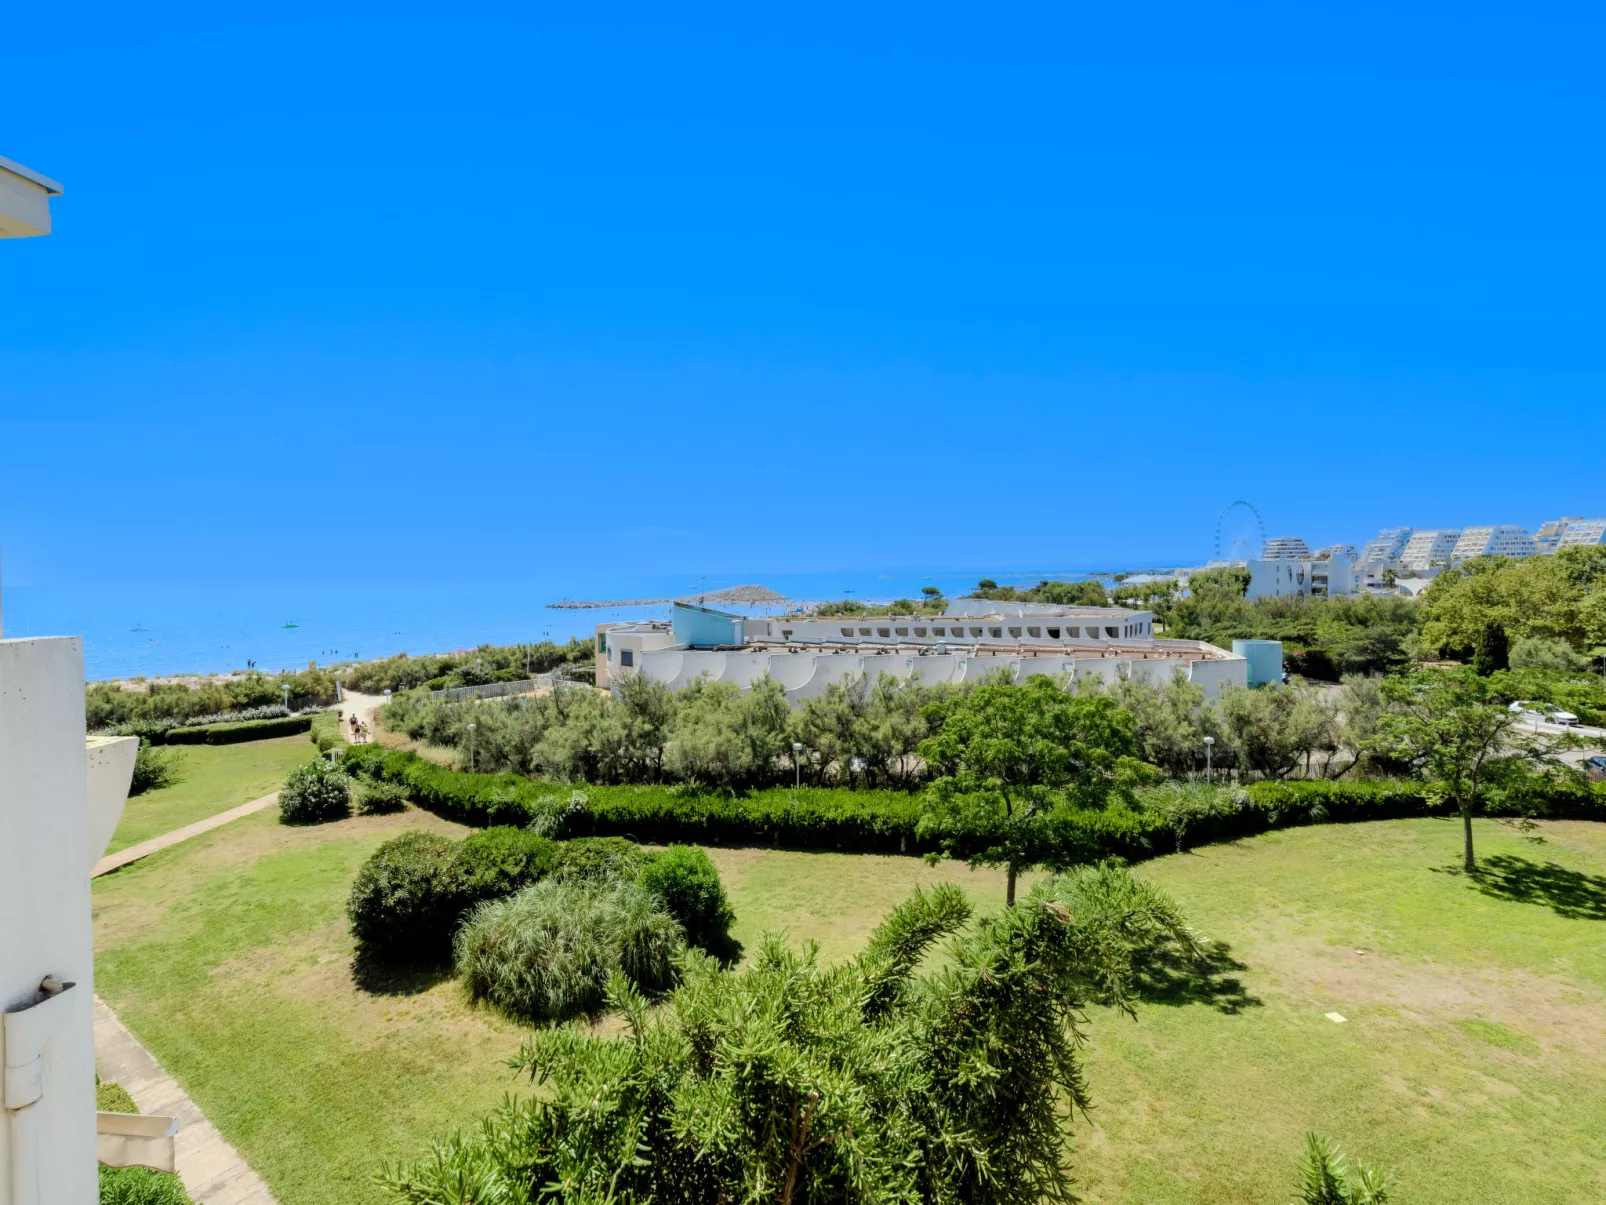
(290, 623)
(139, 627)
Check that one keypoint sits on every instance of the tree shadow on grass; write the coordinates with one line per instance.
(378, 977)
(1569, 893)
(1167, 977)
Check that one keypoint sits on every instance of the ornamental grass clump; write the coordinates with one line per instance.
(313, 793)
(547, 953)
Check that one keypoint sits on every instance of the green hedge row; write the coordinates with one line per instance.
(810, 818)
(230, 734)
(886, 821)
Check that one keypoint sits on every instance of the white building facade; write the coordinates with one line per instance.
(1581, 533)
(1311, 578)
(1428, 551)
(1500, 540)
(973, 639)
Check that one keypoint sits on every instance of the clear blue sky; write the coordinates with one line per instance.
(764, 287)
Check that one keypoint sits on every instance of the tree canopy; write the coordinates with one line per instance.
(1012, 760)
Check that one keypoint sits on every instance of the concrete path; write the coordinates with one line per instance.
(212, 1170)
(144, 849)
(363, 706)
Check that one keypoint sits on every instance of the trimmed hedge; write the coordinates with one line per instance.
(408, 897)
(809, 818)
(230, 734)
(886, 821)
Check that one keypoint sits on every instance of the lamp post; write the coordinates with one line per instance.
(387, 694)
(471, 747)
(1210, 742)
(797, 767)
(286, 688)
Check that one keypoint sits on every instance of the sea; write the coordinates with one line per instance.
(139, 629)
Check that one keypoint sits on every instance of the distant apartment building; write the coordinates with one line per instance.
(1501, 540)
(1312, 578)
(1580, 533)
(1385, 548)
(1285, 548)
(1428, 551)
(1549, 534)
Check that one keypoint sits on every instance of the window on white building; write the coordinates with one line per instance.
(997, 633)
(1053, 633)
(627, 658)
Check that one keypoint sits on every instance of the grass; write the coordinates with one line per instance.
(212, 779)
(1473, 1056)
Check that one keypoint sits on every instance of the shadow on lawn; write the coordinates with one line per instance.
(380, 978)
(1569, 893)
(1170, 978)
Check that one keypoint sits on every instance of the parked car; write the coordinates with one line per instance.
(1557, 716)
(1527, 711)
(1595, 766)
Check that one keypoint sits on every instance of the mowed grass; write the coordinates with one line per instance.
(1473, 1056)
(212, 779)
(1473, 1052)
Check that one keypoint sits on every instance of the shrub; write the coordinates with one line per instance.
(313, 793)
(325, 732)
(154, 768)
(381, 798)
(499, 861)
(686, 882)
(546, 953)
(599, 858)
(408, 897)
(140, 1186)
(231, 734)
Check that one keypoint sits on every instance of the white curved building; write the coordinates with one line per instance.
(971, 640)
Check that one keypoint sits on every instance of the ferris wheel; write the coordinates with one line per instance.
(1240, 532)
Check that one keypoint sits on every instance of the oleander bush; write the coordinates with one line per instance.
(546, 953)
(381, 798)
(314, 793)
(109, 704)
(687, 883)
(408, 897)
(501, 860)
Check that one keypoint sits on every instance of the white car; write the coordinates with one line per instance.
(1557, 716)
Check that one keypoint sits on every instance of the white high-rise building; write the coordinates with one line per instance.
(1386, 546)
(1285, 548)
(1333, 552)
(1581, 533)
(1501, 540)
(1426, 551)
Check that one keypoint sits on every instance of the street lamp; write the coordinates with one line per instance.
(1210, 742)
(387, 694)
(797, 768)
(286, 688)
(471, 747)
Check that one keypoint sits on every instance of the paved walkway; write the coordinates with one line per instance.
(363, 706)
(212, 1170)
(144, 849)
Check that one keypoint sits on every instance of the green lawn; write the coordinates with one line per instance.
(1473, 1056)
(212, 779)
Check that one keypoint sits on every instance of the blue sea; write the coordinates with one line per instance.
(141, 629)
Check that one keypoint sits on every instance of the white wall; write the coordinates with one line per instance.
(44, 898)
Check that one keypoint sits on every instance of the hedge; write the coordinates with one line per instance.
(809, 818)
(229, 734)
(886, 821)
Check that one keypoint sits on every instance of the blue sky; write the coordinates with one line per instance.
(487, 291)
